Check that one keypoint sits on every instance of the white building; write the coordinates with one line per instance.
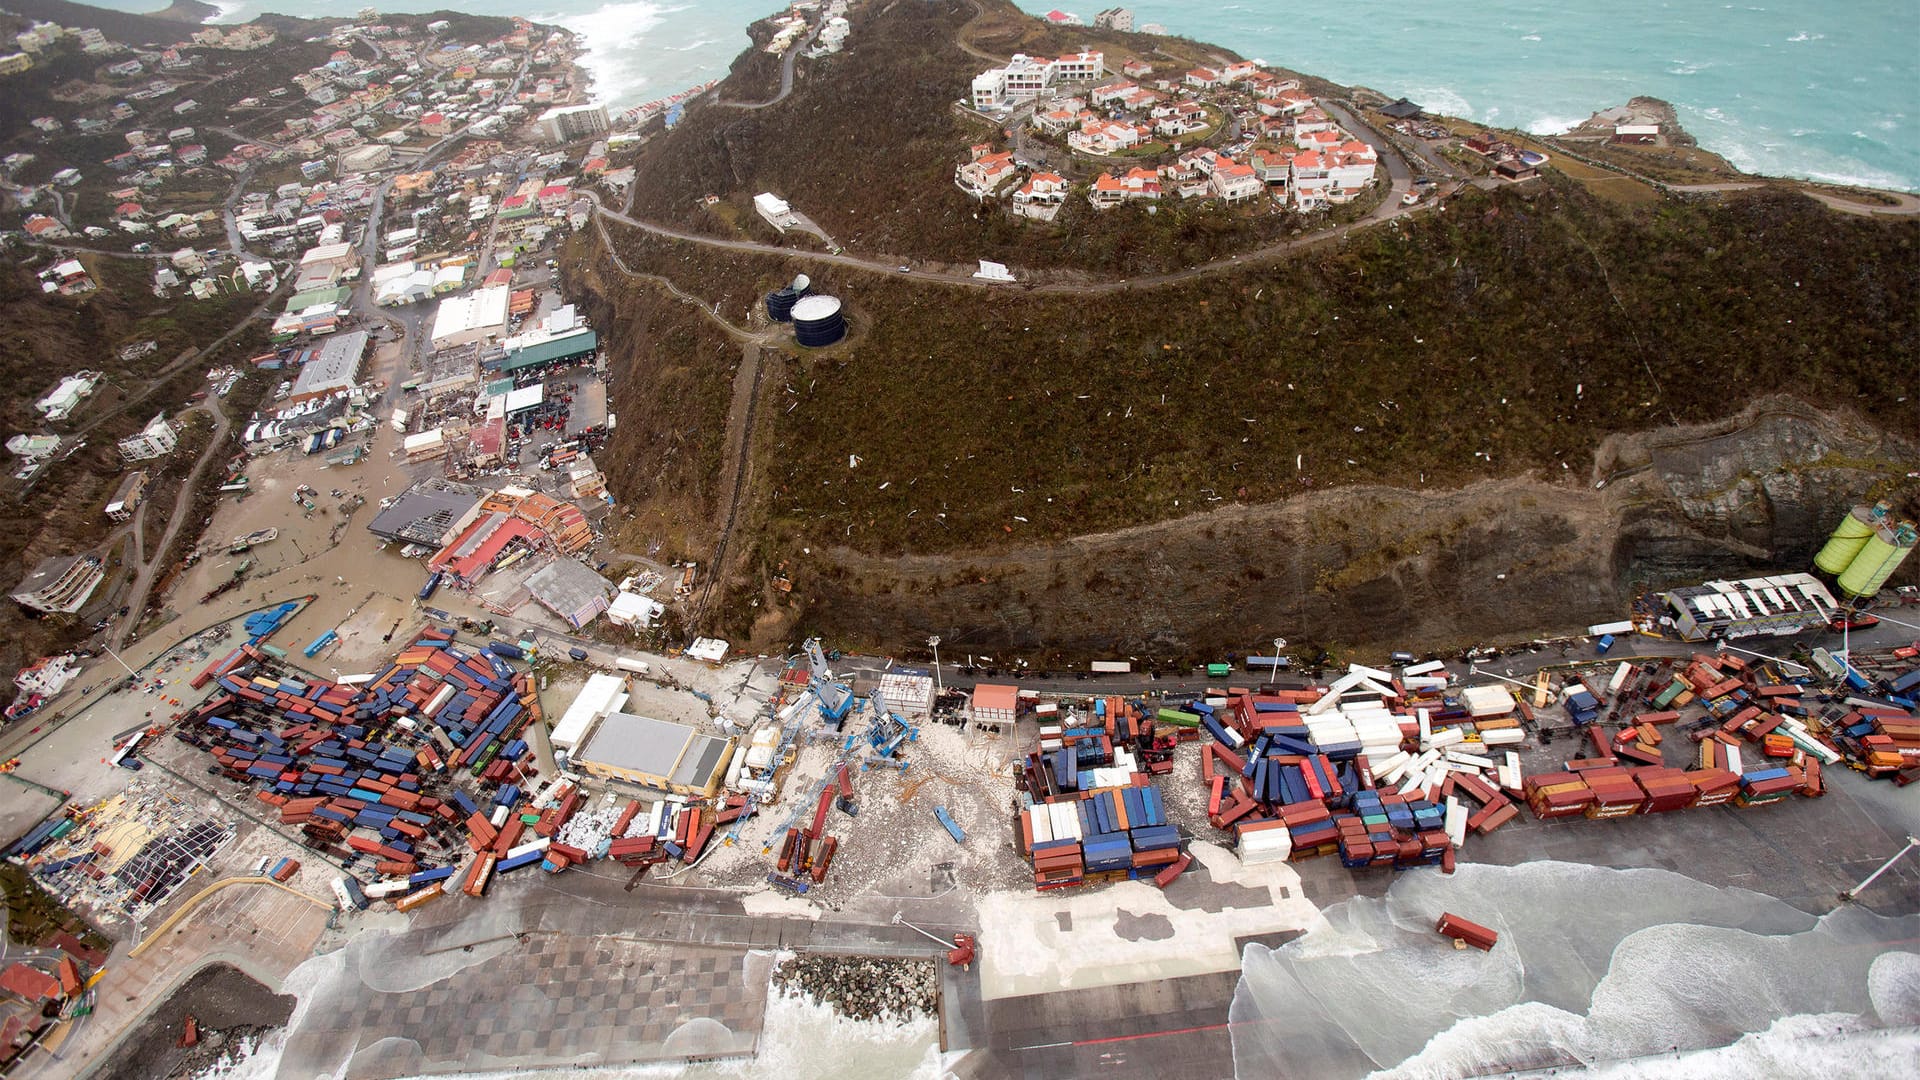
(775, 211)
(471, 317)
(1115, 19)
(60, 403)
(157, 439)
(566, 123)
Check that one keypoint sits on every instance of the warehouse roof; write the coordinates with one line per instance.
(549, 350)
(426, 512)
(602, 695)
(566, 585)
(335, 368)
(656, 751)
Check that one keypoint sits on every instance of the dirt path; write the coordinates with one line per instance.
(746, 394)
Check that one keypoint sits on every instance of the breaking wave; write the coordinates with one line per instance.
(1594, 966)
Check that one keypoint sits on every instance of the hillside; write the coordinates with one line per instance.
(1014, 464)
(164, 27)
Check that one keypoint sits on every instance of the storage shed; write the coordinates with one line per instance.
(656, 754)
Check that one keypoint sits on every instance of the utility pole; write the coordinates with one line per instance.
(1853, 894)
(934, 641)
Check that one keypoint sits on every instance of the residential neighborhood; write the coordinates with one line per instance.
(1239, 134)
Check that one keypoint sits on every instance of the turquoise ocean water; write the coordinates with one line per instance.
(1828, 91)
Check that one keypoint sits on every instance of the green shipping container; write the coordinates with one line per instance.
(1177, 717)
(1219, 671)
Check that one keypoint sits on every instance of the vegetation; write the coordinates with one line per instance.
(1509, 334)
(33, 916)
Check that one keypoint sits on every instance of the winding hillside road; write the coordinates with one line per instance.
(786, 76)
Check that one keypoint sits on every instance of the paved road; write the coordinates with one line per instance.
(142, 586)
(786, 74)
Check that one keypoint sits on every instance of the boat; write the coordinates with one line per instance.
(246, 543)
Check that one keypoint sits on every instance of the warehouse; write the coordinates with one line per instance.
(655, 754)
(335, 368)
(570, 590)
(471, 318)
(603, 696)
(428, 512)
(1778, 606)
(571, 347)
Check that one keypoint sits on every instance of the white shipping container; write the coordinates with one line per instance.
(1502, 737)
(1446, 737)
(1619, 677)
(1425, 669)
(1041, 823)
(1456, 822)
(1487, 700)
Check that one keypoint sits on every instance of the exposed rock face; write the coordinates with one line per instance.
(1379, 566)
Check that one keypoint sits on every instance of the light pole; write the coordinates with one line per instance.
(1279, 645)
(1854, 893)
(934, 641)
(1721, 646)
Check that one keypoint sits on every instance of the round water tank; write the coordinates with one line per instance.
(817, 321)
(780, 304)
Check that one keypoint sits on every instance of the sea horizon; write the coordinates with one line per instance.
(1829, 94)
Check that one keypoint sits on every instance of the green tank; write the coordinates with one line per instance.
(1882, 554)
(1845, 543)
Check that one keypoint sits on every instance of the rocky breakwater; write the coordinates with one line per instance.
(862, 987)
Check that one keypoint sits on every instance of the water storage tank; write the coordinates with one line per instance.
(1842, 546)
(817, 321)
(780, 304)
(1882, 554)
(780, 301)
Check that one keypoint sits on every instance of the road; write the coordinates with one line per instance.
(142, 585)
(786, 74)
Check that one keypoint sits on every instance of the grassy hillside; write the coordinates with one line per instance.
(1510, 334)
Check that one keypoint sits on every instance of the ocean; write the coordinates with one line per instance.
(1827, 91)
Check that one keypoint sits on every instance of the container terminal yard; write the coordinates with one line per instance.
(1086, 854)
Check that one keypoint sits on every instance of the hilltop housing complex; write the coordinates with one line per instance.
(1286, 146)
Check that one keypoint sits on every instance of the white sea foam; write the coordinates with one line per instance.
(229, 12)
(1593, 965)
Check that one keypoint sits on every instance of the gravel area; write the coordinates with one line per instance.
(862, 987)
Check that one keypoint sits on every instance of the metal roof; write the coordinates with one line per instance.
(335, 368)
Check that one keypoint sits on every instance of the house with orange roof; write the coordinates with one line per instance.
(1110, 191)
(1106, 137)
(1238, 70)
(1273, 167)
(1112, 92)
(1041, 196)
(1136, 69)
(1316, 140)
(1285, 103)
(42, 227)
(985, 174)
(1059, 119)
(1309, 180)
(1202, 78)
(1235, 182)
(1312, 119)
